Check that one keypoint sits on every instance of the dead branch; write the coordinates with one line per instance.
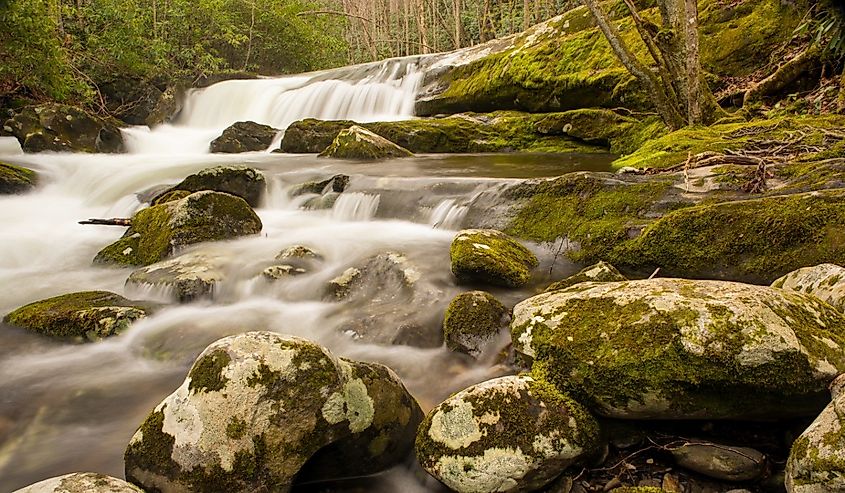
(115, 221)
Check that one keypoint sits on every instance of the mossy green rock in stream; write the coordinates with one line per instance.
(491, 257)
(683, 349)
(472, 320)
(510, 434)
(15, 179)
(63, 128)
(359, 143)
(160, 230)
(84, 316)
(244, 137)
(600, 272)
(81, 482)
(247, 183)
(259, 409)
(824, 281)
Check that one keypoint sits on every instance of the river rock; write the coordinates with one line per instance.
(81, 482)
(359, 143)
(510, 434)
(312, 136)
(160, 230)
(298, 252)
(15, 179)
(824, 281)
(247, 183)
(724, 462)
(169, 105)
(260, 409)
(683, 349)
(472, 320)
(62, 128)
(84, 317)
(600, 272)
(244, 137)
(491, 257)
(336, 184)
(185, 278)
(131, 99)
(386, 275)
(277, 272)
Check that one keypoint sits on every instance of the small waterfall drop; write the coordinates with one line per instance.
(355, 207)
(448, 214)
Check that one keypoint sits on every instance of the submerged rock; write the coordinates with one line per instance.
(186, 278)
(298, 251)
(261, 409)
(359, 143)
(601, 272)
(724, 462)
(244, 137)
(385, 275)
(681, 349)
(511, 434)
(15, 179)
(824, 281)
(277, 272)
(491, 257)
(62, 128)
(85, 316)
(160, 230)
(336, 184)
(246, 183)
(472, 320)
(81, 482)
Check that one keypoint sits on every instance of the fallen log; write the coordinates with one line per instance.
(115, 221)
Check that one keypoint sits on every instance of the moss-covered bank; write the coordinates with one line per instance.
(15, 179)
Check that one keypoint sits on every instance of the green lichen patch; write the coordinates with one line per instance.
(15, 179)
(473, 319)
(600, 272)
(490, 256)
(206, 374)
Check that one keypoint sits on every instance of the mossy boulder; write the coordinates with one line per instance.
(491, 257)
(335, 184)
(312, 136)
(15, 179)
(131, 99)
(159, 231)
(244, 137)
(824, 281)
(359, 143)
(62, 128)
(472, 320)
(185, 278)
(817, 459)
(600, 272)
(81, 482)
(84, 317)
(683, 349)
(388, 272)
(593, 125)
(511, 434)
(261, 409)
(247, 183)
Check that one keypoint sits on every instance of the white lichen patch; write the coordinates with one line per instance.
(497, 470)
(824, 281)
(816, 462)
(456, 427)
(81, 482)
(352, 403)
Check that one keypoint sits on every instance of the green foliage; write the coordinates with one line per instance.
(826, 25)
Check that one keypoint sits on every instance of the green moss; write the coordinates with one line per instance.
(236, 429)
(153, 452)
(600, 272)
(170, 196)
(207, 373)
(492, 257)
(357, 142)
(15, 179)
(472, 318)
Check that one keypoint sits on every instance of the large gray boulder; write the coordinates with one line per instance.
(185, 278)
(491, 257)
(359, 143)
(81, 482)
(62, 128)
(246, 183)
(244, 137)
(824, 281)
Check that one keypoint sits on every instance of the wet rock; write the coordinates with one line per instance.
(186, 278)
(388, 274)
(472, 320)
(247, 183)
(62, 128)
(81, 482)
(312, 136)
(683, 349)
(277, 272)
(491, 257)
(160, 230)
(336, 184)
(244, 137)
(359, 143)
(593, 126)
(169, 105)
(15, 179)
(261, 409)
(600, 272)
(298, 251)
(84, 317)
(638, 489)
(511, 434)
(131, 99)
(724, 462)
(170, 196)
(824, 281)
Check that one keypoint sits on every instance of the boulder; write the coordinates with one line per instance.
(84, 317)
(261, 409)
(491, 257)
(600, 272)
(312, 136)
(336, 184)
(359, 143)
(683, 349)
(387, 275)
(81, 482)
(185, 278)
(277, 272)
(15, 179)
(244, 137)
(247, 183)
(298, 251)
(131, 99)
(718, 461)
(169, 105)
(824, 281)
(160, 230)
(62, 128)
(593, 126)
(472, 320)
(510, 434)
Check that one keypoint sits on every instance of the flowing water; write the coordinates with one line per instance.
(66, 407)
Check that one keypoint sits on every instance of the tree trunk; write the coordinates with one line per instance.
(458, 24)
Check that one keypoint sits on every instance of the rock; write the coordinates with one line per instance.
(824, 281)
(336, 184)
(247, 183)
(62, 128)
(312, 136)
(386, 275)
(81, 482)
(277, 272)
(683, 349)
(490, 257)
(261, 409)
(600, 272)
(298, 251)
(511, 434)
(160, 230)
(593, 126)
(84, 317)
(185, 278)
(724, 462)
(131, 99)
(244, 137)
(169, 105)
(15, 179)
(472, 320)
(169, 195)
(359, 143)
(638, 489)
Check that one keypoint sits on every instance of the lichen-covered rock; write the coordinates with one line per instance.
(298, 251)
(84, 316)
(824, 281)
(388, 272)
(312, 136)
(511, 434)
(160, 230)
(359, 143)
(260, 409)
(277, 272)
(247, 183)
(244, 137)
(63, 128)
(682, 349)
(81, 482)
(600, 272)
(491, 257)
(185, 278)
(336, 184)
(472, 319)
(718, 461)
(15, 179)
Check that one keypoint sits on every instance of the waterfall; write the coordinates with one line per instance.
(355, 207)
(448, 214)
